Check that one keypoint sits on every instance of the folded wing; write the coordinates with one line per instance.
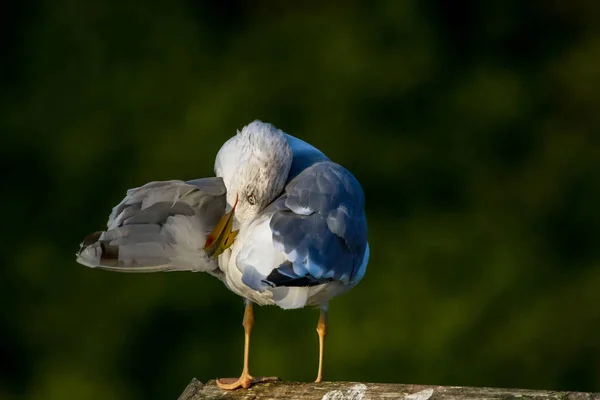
(319, 226)
(161, 226)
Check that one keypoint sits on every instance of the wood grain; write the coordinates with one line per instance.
(366, 391)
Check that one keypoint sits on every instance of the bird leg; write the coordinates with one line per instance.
(322, 331)
(245, 380)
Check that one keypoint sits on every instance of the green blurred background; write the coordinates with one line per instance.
(474, 128)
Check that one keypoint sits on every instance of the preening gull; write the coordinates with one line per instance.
(280, 224)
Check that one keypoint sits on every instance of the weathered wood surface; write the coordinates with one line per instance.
(366, 391)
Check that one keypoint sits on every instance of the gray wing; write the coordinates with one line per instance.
(319, 223)
(161, 226)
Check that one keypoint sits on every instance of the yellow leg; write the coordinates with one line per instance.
(245, 380)
(322, 331)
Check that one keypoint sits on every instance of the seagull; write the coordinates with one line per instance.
(280, 224)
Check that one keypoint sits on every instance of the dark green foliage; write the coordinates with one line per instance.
(474, 128)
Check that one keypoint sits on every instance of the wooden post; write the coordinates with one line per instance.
(367, 391)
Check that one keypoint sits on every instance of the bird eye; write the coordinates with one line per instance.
(252, 199)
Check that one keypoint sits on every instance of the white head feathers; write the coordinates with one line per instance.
(254, 165)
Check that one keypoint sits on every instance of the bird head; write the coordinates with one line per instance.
(254, 165)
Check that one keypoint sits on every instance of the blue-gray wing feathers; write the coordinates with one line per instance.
(319, 223)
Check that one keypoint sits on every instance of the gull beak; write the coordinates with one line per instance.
(222, 235)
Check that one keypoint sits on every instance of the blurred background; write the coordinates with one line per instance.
(474, 128)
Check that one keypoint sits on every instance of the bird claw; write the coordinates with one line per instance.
(244, 381)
